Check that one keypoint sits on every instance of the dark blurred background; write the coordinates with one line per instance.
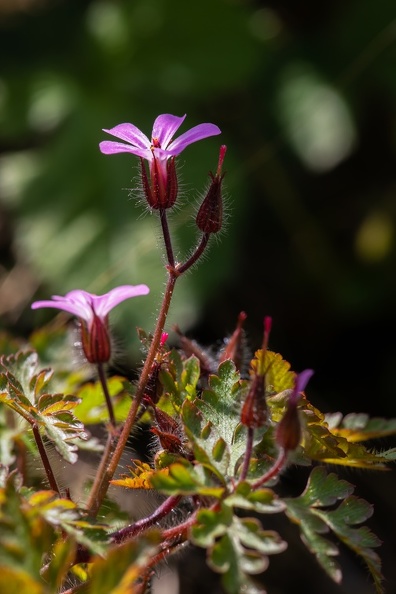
(304, 93)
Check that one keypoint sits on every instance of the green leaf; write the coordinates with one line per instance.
(62, 558)
(92, 407)
(185, 479)
(260, 500)
(322, 443)
(21, 385)
(310, 513)
(208, 446)
(359, 426)
(181, 378)
(119, 571)
(220, 406)
(237, 548)
(278, 376)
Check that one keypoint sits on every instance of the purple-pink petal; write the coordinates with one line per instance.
(165, 127)
(109, 147)
(79, 309)
(131, 134)
(193, 135)
(105, 303)
(301, 380)
(84, 305)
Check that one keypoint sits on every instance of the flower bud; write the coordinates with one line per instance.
(95, 340)
(210, 215)
(254, 411)
(234, 348)
(288, 431)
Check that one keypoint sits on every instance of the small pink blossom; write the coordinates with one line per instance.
(92, 311)
(160, 152)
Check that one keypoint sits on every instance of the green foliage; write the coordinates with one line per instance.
(122, 567)
(91, 408)
(32, 530)
(237, 548)
(22, 388)
(315, 514)
(205, 469)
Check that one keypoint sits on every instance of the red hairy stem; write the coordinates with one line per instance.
(138, 527)
(100, 486)
(167, 238)
(46, 463)
(180, 268)
(273, 471)
(109, 404)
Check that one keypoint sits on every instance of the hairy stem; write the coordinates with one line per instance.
(46, 463)
(108, 451)
(103, 381)
(137, 527)
(167, 238)
(248, 454)
(100, 486)
(273, 471)
(196, 254)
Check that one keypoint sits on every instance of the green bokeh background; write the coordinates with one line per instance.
(304, 93)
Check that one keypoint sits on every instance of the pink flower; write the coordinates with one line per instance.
(92, 311)
(160, 152)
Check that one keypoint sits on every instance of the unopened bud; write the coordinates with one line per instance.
(288, 431)
(96, 340)
(210, 215)
(234, 347)
(254, 411)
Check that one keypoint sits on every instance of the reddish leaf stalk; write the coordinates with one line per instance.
(273, 471)
(103, 381)
(248, 453)
(46, 463)
(100, 487)
(141, 525)
(180, 268)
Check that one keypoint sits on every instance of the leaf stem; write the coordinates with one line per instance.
(46, 463)
(103, 381)
(248, 454)
(273, 471)
(138, 527)
(196, 254)
(100, 486)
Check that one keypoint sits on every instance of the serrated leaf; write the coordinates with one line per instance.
(180, 378)
(185, 479)
(208, 445)
(260, 500)
(357, 427)
(210, 525)
(119, 571)
(309, 511)
(278, 376)
(219, 406)
(236, 547)
(322, 444)
(20, 386)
